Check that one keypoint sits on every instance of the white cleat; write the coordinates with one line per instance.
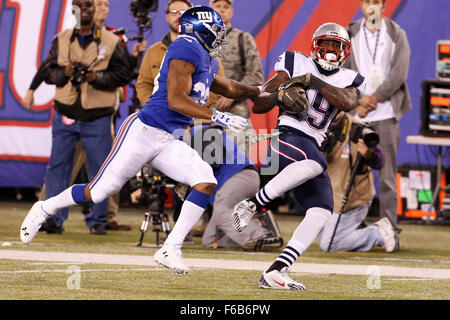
(387, 232)
(279, 280)
(33, 222)
(242, 214)
(170, 257)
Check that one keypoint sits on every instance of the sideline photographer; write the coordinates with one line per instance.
(79, 162)
(87, 65)
(352, 150)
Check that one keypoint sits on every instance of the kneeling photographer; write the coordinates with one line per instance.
(352, 150)
(87, 64)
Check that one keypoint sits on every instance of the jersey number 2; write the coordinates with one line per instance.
(202, 91)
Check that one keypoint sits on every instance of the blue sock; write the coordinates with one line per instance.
(199, 198)
(78, 193)
(191, 211)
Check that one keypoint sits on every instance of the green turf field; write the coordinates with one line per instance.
(422, 246)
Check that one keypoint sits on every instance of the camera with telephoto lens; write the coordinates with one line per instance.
(365, 132)
(79, 75)
(140, 9)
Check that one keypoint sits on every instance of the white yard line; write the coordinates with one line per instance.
(81, 270)
(311, 268)
(399, 259)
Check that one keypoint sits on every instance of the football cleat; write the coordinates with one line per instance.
(242, 214)
(170, 257)
(33, 222)
(279, 280)
(391, 239)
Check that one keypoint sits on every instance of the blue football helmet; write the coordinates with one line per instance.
(206, 25)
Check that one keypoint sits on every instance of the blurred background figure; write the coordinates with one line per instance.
(241, 62)
(350, 161)
(86, 99)
(151, 62)
(380, 52)
(80, 159)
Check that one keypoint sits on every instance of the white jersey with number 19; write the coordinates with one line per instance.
(320, 112)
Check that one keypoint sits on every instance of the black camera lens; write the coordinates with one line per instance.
(370, 137)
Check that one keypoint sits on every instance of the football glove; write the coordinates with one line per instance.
(228, 120)
(292, 99)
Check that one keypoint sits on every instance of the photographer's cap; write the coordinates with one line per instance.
(212, 1)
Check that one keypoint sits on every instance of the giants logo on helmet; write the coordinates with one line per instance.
(204, 16)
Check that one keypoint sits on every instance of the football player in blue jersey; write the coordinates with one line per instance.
(186, 76)
(329, 89)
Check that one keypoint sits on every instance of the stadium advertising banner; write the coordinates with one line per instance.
(28, 27)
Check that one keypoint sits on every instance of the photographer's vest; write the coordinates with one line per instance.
(339, 170)
(69, 52)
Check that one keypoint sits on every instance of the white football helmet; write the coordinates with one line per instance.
(328, 57)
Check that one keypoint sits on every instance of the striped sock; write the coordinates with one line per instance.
(288, 256)
(285, 259)
(261, 199)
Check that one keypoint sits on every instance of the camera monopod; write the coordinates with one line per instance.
(356, 168)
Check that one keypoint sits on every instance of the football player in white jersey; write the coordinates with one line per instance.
(329, 89)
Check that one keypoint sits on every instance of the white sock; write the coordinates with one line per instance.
(58, 202)
(305, 234)
(189, 215)
(290, 177)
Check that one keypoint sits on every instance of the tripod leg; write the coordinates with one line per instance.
(141, 238)
(144, 228)
(157, 238)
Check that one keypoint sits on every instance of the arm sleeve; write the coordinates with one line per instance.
(53, 73)
(38, 78)
(254, 75)
(118, 72)
(399, 69)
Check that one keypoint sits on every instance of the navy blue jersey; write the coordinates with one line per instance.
(156, 112)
